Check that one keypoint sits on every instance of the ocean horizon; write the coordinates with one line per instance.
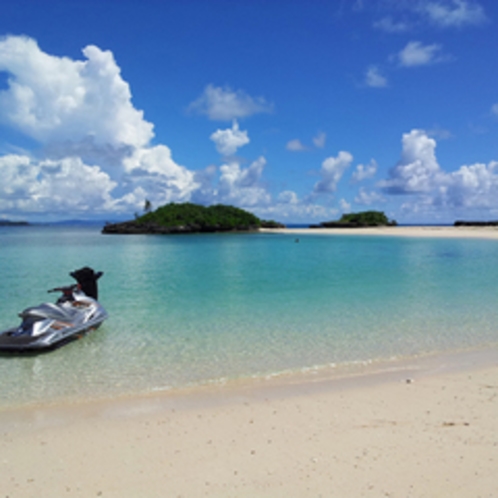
(190, 310)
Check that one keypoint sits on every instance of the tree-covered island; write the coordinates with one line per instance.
(189, 218)
(462, 223)
(359, 220)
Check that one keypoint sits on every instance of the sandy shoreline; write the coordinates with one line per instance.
(398, 231)
(376, 435)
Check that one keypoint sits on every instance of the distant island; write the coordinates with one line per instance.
(8, 223)
(359, 220)
(184, 218)
(460, 223)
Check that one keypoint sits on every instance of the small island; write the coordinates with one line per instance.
(185, 218)
(359, 220)
(461, 223)
(9, 223)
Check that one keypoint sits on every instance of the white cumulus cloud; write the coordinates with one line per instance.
(225, 104)
(296, 212)
(453, 13)
(288, 197)
(81, 113)
(228, 141)
(331, 172)
(417, 169)
(154, 167)
(365, 172)
(295, 145)
(242, 186)
(374, 78)
(472, 187)
(52, 186)
(417, 54)
(319, 140)
(366, 197)
(388, 25)
(57, 99)
(345, 206)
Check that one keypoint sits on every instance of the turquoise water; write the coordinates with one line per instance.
(188, 310)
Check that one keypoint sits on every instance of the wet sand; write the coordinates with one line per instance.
(427, 429)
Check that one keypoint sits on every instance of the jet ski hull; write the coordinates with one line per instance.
(57, 334)
(49, 325)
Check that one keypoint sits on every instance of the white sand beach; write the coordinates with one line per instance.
(422, 431)
(398, 231)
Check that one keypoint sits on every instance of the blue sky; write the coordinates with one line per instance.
(295, 110)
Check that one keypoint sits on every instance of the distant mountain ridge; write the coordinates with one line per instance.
(9, 223)
(74, 223)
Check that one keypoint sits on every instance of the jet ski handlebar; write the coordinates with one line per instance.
(87, 282)
(65, 290)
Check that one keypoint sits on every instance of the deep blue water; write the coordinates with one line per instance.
(192, 309)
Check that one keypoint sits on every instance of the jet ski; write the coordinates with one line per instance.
(50, 325)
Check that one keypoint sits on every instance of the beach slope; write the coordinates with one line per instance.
(422, 436)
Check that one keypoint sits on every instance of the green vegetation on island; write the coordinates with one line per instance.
(175, 215)
(189, 218)
(462, 223)
(359, 220)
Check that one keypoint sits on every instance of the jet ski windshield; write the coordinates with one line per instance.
(87, 279)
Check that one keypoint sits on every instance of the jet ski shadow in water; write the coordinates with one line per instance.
(49, 325)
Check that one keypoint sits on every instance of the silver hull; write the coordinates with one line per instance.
(49, 325)
(26, 344)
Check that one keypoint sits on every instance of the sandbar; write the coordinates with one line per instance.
(427, 429)
(397, 231)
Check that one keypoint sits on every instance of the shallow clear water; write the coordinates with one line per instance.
(201, 308)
